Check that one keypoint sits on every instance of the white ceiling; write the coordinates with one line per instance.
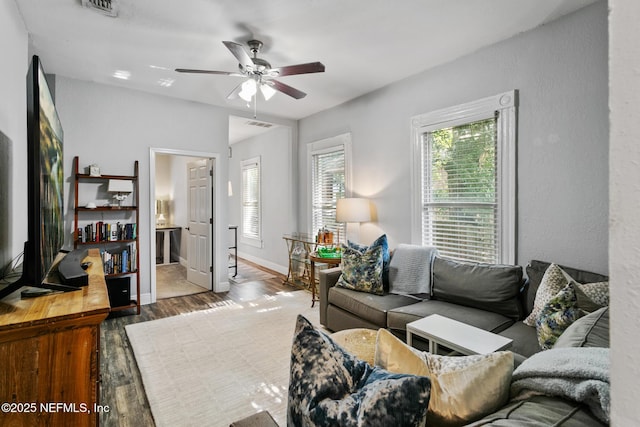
(364, 44)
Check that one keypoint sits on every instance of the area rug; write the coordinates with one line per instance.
(213, 367)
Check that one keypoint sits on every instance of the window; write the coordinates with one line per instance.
(251, 215)
(329, 161)
(464, 179)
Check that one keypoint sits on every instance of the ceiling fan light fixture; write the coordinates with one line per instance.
(249, 88)
(267, 91)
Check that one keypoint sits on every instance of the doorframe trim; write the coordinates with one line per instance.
(216, 157)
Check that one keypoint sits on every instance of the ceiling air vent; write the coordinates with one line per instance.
(259, 124)
(107, 7)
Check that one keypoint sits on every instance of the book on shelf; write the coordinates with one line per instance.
(102, 232)
(120, 260)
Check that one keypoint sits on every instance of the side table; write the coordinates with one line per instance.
(313, 258)
(455, 335)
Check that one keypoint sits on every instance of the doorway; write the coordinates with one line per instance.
(182, 199)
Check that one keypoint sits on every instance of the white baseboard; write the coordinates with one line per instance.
(145, 299)
(263, 262)
(223, 287)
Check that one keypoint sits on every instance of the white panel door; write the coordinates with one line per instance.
(199, 264)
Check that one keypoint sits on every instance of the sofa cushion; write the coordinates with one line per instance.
(489, 287)
(525, 339)
(541, 411)
(398, 318)
(329, 386)
(370, 307)
(463, 388)
(362, 271)
(591, 330)
(535, 271)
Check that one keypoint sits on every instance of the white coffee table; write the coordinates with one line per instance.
(457, 336)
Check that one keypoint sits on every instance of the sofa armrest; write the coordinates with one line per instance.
(328, 278)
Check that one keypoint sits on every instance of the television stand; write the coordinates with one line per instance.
(50, 349)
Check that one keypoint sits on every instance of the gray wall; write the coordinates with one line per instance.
(560, 70)
(13, 126)
(278, 217)
(624, 63)
(113, 126)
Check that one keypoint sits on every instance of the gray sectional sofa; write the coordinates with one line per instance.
(492, 297)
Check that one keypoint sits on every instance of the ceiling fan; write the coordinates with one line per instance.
(259, 73)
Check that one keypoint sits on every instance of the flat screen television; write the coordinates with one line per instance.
(45, 180)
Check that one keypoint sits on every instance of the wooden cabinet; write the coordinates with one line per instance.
(49, 355)
(108, 214)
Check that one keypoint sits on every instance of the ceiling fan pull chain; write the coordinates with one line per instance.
(255, 105)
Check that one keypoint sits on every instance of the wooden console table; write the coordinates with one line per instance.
(49, 354)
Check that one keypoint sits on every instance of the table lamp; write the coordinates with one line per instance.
(162, 211)
(122, 188)
(353, 211)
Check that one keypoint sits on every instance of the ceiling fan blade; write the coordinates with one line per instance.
(311, 67)
(224, 73)
(241, 55)
(286, 89)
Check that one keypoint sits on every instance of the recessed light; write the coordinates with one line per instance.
(166, 82)
(122, 74)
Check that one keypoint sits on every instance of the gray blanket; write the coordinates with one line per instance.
(410, 269)
(580, 374)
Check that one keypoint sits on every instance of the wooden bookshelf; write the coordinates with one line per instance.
(84, 215)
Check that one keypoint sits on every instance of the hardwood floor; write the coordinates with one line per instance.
(121, 389)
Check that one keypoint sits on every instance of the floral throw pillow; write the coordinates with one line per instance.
(556, 316)
(362, 271)
(386, 255)
(553, 281)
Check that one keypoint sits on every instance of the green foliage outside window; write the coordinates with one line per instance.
(460, 191)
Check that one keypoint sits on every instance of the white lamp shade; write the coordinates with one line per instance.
(162, 207)
(353, 210)
(120, 186)
(249, 88)
(267, 91)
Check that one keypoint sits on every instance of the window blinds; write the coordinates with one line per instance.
(460, 198)
(328, 185)
(251, 199)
